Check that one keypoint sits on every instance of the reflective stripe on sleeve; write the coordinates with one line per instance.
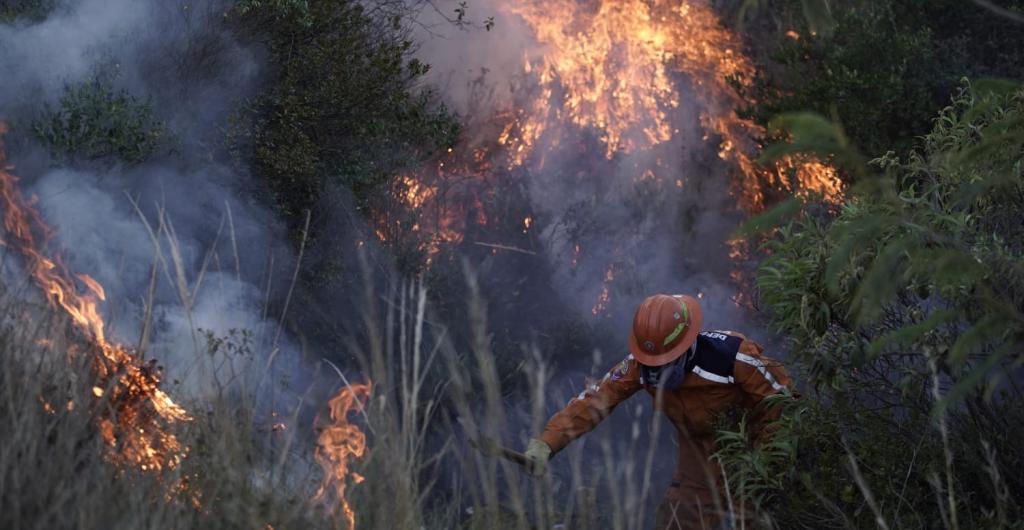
(711, 376)
(756, 363)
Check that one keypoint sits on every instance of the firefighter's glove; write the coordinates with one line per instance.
(537, 455)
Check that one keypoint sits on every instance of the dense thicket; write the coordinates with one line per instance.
(94, 122)
(904, 309)
(341, 103)
(884, 67)
(904, 304)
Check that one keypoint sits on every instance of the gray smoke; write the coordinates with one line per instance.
(226, 245)
(664, 234)
(657, 235)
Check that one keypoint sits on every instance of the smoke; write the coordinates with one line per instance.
(178, 236)
(613, 230)
(663, 233)
(654, 219)
(38, 59)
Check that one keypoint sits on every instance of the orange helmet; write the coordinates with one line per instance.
(664, 327)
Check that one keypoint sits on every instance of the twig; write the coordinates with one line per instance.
(234, 242)
(944, 432)
(505, 247)
(1001, 11)
(863, 485)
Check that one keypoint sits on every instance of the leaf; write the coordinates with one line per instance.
(811, 133)
(987, 329)
(850, 237)
(808, 127)
(880, 283)
(945, 266)
(967, 384)
(771, 218)
(909, 333)
(986, 95)
(991, 86)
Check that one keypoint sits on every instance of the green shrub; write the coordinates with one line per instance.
(95, 122)
(884, 67)
(31, 10)
(904, 308)
(342, 103)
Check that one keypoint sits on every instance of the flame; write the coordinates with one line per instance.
(605, 78)
(338, 443)
(136, 417)
(604, 299)
(434, 206)
(608, 65)
(605, 69)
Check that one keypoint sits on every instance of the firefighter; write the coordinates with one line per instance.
(693, 376)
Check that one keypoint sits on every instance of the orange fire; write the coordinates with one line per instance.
(338, 443)
(611, 62)
(619, 70)
(137, 417)
(605, 297)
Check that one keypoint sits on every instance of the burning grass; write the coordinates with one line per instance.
(139, 417)
(54, 466)
(255, 471)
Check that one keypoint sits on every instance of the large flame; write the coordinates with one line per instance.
(137, 417)
(615, 69)
(611, 62)
(338, 443)
(609, 67)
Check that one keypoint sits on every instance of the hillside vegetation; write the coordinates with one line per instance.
(901, 306)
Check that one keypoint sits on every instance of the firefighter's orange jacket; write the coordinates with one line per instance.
(724, 370)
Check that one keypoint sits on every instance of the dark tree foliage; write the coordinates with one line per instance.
(341, 103)
(904, 308)
(95, 122)
(884, 66)
(28, 10)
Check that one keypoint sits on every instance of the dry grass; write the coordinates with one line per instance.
(420, 471)
(53, 471)
(430, 397)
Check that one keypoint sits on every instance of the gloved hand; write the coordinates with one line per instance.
(537, 455)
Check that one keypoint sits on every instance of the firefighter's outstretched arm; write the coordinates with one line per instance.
(760, 376)
(584, 412)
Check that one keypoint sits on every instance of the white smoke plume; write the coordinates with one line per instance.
(178, 57)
